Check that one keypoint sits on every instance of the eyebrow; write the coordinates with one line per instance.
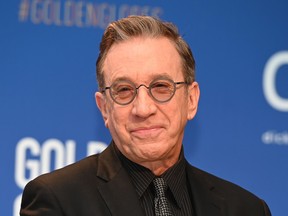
(153, 77)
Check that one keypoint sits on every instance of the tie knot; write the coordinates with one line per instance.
(160, 186)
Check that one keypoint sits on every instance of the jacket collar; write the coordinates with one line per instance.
(120, 197)
(206, 200)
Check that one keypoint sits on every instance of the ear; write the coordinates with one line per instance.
(193, 99)
(102, 106)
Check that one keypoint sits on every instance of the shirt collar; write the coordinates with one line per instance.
(142, 177)
(175, 178)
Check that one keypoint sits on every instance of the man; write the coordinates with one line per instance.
(147, 94)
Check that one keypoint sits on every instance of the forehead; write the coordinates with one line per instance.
(141, 59)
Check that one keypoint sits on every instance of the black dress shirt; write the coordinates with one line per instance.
(175, 177)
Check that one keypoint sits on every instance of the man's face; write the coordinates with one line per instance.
(146, 131)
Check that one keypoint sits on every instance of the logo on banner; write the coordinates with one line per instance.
(271, 69)
(34, 158)
(279, 103)
(79, 13)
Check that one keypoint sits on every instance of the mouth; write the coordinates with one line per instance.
(147, 132)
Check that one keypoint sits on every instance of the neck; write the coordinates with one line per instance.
(157, 165)
(160, 167)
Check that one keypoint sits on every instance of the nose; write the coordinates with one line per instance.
(143, 104)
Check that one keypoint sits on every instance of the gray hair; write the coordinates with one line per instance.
(146, 26)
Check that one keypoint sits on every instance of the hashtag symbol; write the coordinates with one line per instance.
(24, 10)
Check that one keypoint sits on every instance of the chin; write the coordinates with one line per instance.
(152, 153)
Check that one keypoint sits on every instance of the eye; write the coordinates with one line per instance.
(162, 86)
(122, 90)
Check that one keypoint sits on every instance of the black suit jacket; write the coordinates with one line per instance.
(99, 186)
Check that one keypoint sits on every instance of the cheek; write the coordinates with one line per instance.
(178, 121)
(178, 115)
(117, 119)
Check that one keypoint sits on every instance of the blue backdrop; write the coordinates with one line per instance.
(48, 117)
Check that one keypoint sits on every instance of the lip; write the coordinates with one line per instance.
(146, 132)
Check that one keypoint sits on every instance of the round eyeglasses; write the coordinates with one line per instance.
(161, 90)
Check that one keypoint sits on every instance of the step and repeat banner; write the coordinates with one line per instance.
(48, 116)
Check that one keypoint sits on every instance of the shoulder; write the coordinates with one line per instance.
(85, 167)
(236, 198)
(91, 170)
(59, 191)
(65, 180)
(215, 183)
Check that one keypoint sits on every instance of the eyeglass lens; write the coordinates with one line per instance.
(123, 92)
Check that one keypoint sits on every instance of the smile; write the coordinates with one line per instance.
(147, 132)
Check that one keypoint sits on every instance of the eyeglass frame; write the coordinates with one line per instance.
(149, 88)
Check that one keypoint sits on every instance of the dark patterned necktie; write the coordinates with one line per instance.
(162, 207)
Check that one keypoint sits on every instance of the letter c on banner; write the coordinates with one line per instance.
(269, 84)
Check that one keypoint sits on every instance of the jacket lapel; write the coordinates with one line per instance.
(117, 189)
(120, 196)
(206, 201)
